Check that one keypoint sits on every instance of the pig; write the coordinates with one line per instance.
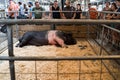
(48, 37)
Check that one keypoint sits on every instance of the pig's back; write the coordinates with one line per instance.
(39, 38)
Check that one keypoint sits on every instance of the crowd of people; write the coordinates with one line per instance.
(21, 11)
(29, 11)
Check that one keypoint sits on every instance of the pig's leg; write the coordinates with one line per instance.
(60, 39)
(20, 40)
(61, 42)
(24, 40)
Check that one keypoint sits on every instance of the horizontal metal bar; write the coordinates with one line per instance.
(51, 58)
(109, 27)
(57, 21)
(110, 12)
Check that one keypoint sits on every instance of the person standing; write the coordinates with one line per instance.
(37, 11)
(106, 8)
(30, 5)
(118, 10)
(13, 10)
(116, 35)
(25, 10)
(21, 11)
(78, 12)
(114, 8)
(56, 11)
(68, 11)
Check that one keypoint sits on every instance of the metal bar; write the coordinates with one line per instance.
(10, 52)
(102, 39)
(110, 72)
(106, 12)
(57, 21)
(111, 28)
(50, 58)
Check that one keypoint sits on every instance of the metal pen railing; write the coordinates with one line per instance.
(86, 12)
(12, 58)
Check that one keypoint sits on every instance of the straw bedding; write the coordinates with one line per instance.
(53, 70)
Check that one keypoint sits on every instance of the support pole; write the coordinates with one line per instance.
(10, 52)
(62, 3)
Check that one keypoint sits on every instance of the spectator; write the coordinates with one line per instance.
(30, 5)
(71, 11)
(110, 16)
(118, 4)
(106, 8)
(92, 12)
(55, 7)
(37, 14)
(21, 9)
(89, 6)
(116, 35)
(113, 9)
(78, 12)
(25, 10)
(13, 10)
(56, 14)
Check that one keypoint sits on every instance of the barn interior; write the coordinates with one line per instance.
(94, 57)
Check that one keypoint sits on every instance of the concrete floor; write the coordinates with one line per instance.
(3, 42)
(3, 37)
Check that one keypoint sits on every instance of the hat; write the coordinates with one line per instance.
(30, 3)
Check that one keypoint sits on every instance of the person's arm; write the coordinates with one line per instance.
(108, 16)
(102, 15)
(74, 15)
(31, 15)
(116, 16)
(81, 16)
(43, 15)
(50, 13)
(63, 16)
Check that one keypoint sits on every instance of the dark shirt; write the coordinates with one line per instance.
(56, 15)
(78, 13)
(69, 14)
(118, 9)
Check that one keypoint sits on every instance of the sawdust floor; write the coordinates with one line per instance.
(61, 70)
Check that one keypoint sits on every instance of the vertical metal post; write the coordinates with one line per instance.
(57, 70)
(62, 3)
(10, 52)
(88, 31)
(53, 27)
(102, 39)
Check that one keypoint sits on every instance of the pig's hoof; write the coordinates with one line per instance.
(65, 46)
(17, 45)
